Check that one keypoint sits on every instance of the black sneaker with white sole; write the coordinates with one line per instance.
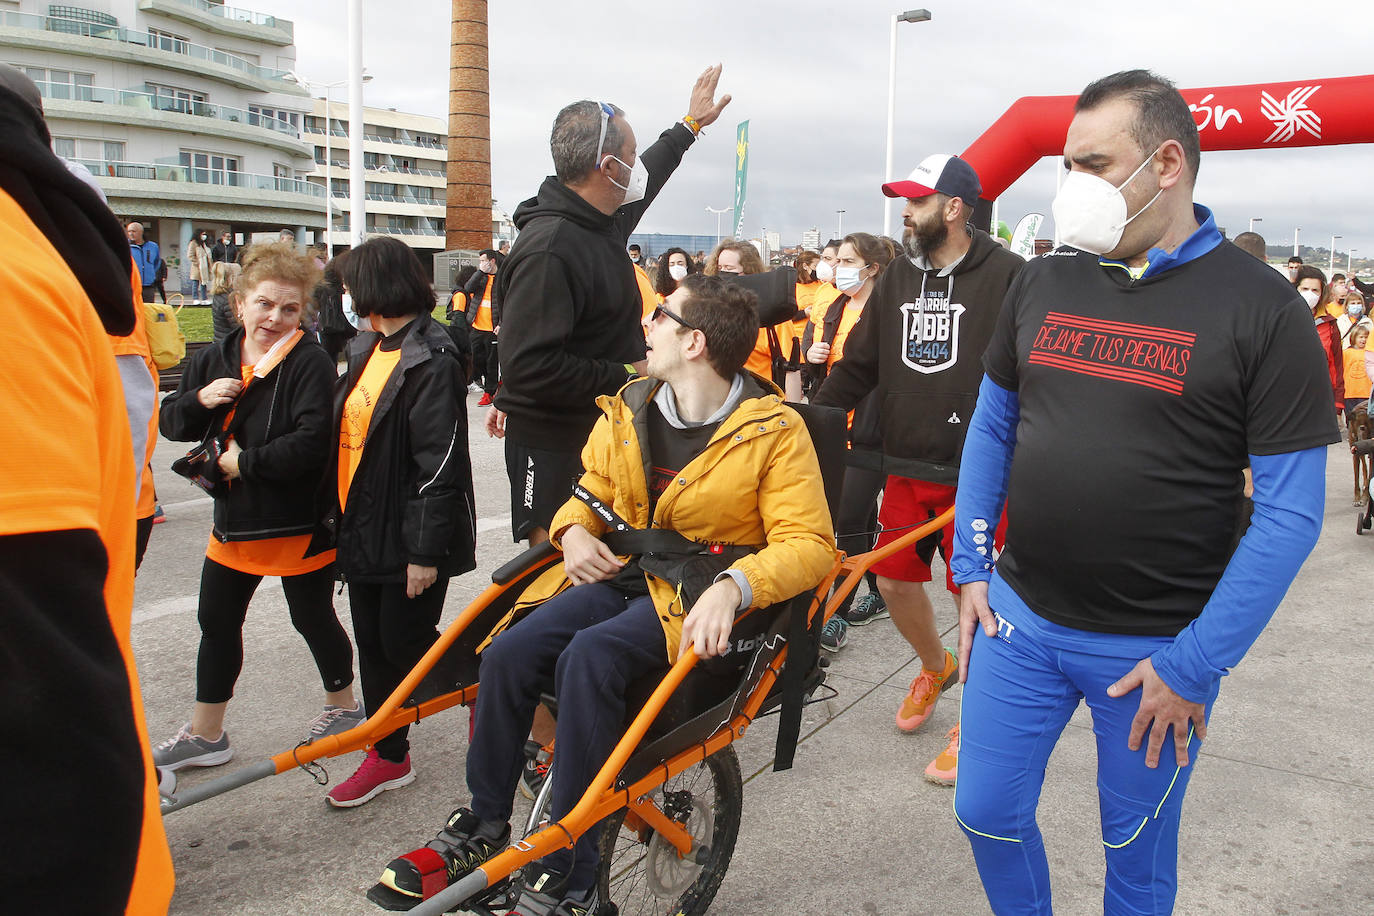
(463, 844)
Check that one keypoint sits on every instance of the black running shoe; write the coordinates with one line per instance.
(544, 892)
(536, 768)
(456, 851)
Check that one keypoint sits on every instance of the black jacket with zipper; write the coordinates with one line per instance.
(918, 348)
(282, 424)
(411, 498)
(865, 433)
(569, 306)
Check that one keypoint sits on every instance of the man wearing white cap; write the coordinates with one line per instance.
(920, 344)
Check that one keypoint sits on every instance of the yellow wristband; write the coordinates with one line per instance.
(692, 124)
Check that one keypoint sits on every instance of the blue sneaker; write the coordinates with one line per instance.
(867, 609)
(835, 635)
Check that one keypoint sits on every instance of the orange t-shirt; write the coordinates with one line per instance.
(69, 463)
(357, 414)
(649, 299)
(1357, 384)
(482, 320)
(283, 556)
(760, 361)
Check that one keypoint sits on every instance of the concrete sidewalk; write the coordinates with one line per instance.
(1278, 817)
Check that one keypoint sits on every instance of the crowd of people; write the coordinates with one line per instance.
(659, 391)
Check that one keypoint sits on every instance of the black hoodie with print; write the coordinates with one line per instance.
(570, 306)
(919, 347)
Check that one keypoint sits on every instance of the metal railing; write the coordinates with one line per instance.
(238, 15)
(144, 39)
(404, 141)
(148, 101)
(171, 171)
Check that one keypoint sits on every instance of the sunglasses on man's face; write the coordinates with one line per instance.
(660, 310)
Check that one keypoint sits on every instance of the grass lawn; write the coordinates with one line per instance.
(196, 324)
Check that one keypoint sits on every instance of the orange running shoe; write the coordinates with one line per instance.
(920, 700)
(944, 769)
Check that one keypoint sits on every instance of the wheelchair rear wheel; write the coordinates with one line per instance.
(644, 875)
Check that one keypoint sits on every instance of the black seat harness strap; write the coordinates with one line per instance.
(803, 635)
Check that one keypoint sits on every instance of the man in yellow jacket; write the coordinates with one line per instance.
(700, 448)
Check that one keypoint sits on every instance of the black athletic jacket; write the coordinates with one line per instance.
(924, 365)
(282, 424)
(411, 499)
(570, 307)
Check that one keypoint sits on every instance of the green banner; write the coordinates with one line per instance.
(741, 172)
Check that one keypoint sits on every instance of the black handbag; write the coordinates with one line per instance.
(200, 465)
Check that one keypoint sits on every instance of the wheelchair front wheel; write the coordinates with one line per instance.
(643, 875)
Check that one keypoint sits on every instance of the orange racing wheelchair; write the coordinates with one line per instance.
(667, 802)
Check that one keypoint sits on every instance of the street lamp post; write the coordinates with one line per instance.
(908, 16)
(1253, 220)
(1349, 262)
(1296, 230)
(1331, 261)
(839, 224)
(718, 213)
(310, 86)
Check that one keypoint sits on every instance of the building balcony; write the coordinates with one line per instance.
(55, 34)
(225, 20)
(136, 108)
(166, 189)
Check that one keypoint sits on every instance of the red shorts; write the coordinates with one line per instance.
(908, 504)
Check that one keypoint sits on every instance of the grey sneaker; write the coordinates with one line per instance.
(835, 635)
(867, 609)
(187, 750)
(335, 720)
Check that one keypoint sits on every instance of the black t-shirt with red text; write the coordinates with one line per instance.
(1139, 403)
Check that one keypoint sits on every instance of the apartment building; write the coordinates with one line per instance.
(186, 111)
(404, 161)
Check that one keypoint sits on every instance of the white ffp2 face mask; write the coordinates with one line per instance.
(1310, 296)
(677, 271)
(824, 272)
(638, 184)
(1091, 212)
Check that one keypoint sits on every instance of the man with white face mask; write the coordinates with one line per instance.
(568, 298)
(1139, 367)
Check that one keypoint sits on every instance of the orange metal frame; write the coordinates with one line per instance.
(600, 799)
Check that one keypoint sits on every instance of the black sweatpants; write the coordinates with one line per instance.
(393, 633)
(856, 523)
(224, 597)
(588, 644)
(486, 367)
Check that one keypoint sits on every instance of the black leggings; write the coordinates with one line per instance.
(486, 363)
(393, 633)
(224, 597)
(856, 523)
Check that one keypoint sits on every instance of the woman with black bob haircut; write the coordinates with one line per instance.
(673, 265)
(401, 496)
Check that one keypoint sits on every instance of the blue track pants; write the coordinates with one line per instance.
(1024, 684)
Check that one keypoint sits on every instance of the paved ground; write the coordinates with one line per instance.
(1278, 819)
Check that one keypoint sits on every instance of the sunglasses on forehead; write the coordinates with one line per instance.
(607, 112)
(660, 310)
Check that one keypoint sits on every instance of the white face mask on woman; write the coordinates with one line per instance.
(849, 279)
(1091, 212)
(352, 317)
(677, 271)
(824, 272)
(1310, 296)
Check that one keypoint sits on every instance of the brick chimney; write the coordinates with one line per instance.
(468, 201)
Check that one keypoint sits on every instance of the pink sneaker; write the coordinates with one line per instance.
(372, 778)
(944, 769)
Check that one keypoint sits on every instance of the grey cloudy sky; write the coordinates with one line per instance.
(812, 80)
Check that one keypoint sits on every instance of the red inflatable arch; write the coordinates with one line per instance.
(1259, 116)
